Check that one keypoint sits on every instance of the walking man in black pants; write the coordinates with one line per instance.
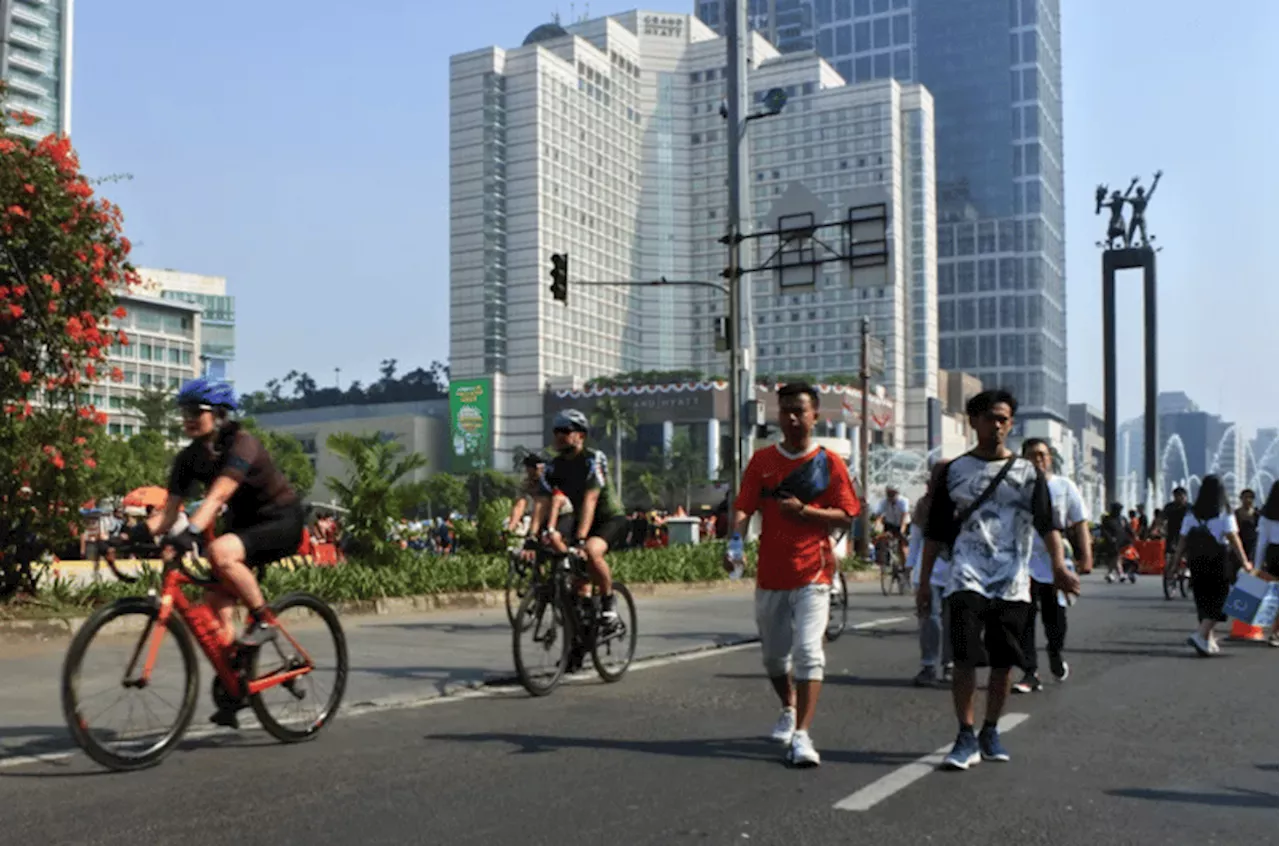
(1071, 517)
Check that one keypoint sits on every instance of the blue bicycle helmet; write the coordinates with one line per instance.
(572, 420)
(203, 392)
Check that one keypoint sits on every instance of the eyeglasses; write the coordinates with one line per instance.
(193, 412)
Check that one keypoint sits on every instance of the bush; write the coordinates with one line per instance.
(491, 523)
(403, 572)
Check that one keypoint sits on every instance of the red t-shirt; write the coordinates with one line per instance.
(792, 549)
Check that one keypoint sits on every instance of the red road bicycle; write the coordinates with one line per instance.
(146, 633)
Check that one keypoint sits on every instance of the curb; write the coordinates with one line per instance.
(63, 628)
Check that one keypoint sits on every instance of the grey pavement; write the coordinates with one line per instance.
(403, 658)
(1143, 744)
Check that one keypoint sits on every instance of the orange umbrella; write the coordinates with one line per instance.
(150, 495)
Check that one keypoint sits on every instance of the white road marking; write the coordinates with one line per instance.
(903, 777)
(888, 621)
(480, 691)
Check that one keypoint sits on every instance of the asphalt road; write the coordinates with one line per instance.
(1143, 744)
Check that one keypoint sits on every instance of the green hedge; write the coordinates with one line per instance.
(404, 573)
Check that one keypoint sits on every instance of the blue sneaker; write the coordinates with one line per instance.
(989, 743)
(964, 754)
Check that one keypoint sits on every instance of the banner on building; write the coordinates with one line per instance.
(471, 424)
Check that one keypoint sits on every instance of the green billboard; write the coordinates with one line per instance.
(471, 424)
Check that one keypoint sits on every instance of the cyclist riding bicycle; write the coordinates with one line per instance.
(534, 464)
(580, 476)
(1174, 513)
(895, 512)
(264, 515)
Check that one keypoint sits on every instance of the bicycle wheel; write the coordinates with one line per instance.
(1170, 585)
(839, 615)
(542, 663)
(886, 574)
(612, 654)
(900, 573)
(518, 580)
(297, 709)
(122, 636)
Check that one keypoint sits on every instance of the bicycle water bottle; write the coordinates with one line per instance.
(738, 555)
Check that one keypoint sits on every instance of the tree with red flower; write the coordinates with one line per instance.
(56, 242)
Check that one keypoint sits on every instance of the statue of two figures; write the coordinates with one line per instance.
(1118, 235)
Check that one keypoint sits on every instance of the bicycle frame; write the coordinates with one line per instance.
(220, 655)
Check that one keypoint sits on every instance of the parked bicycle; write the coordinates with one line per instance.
(563, 626)
(133, 631)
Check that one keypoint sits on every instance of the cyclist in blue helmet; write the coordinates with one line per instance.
(580, 476)
(264, 515)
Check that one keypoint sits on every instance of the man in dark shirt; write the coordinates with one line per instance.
(1174, 513)
(580, 476)
(987, 506)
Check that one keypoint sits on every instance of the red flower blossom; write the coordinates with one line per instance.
(25, 377)
(58, 462)
(120, 313)
(55, 286)
(117, 375)
(90, 370)
(29, 188)
(17, 211)
(75, 329)
(26, 410)
(126, 245)
(86, 413)
(15, 311)
(80, 441)
(100, 418)
(19, 290)
(90, 463)
(26, 118)
(122, 338)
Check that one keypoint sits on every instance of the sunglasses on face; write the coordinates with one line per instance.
(193, 412)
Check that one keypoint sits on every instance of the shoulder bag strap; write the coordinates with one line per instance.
(986, 494)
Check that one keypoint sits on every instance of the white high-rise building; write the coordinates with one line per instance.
(604, 140)
(35, 63)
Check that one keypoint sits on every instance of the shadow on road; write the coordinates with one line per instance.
(1237, 798)
(448, 628)
(55, 740)
(21, 741)
(737, 748)
(1145, 653)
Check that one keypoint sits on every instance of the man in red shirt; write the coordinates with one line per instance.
(803, 494)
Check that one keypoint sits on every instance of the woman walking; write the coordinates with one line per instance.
(1208, 530)
(1268, 545)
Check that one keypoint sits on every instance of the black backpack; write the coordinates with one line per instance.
(1202, 547)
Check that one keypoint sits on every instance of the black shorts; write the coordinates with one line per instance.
(1209, 587)
(612, 530)
(893, 530)
(273, 535)
(987, 632)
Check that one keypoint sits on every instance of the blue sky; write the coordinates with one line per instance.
(301, 150)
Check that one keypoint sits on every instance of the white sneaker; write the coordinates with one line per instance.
(1214, 648)
(1199, 644)
(802, 753)
(785, 728)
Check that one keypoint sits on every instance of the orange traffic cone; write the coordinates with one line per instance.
(1243, 631)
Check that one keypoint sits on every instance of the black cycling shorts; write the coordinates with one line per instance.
(612, 531)
(274, 534)
(987, 632)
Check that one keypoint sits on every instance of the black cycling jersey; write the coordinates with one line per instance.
(233, 452)
(574, 475)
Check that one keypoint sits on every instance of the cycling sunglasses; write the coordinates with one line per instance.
(192, 412)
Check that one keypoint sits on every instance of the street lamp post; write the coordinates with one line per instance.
(740, 387)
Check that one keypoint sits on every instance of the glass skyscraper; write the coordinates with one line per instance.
(994, 69)
(35, 63)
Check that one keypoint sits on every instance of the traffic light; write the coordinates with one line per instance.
(560, 277)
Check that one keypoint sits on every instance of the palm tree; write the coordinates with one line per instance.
(372, 490)
(619, 421)
(155, 404)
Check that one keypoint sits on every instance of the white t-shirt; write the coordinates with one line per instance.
(1220, 526)
(894, 511)
(1268, 533)
(1068, 509)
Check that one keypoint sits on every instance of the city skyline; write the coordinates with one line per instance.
(257, 223)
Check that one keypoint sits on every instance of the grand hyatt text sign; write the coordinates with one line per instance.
(651, 407)
(664, 27)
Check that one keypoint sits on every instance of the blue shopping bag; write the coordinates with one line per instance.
(1247, 599)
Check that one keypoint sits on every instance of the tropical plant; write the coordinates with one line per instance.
(618, 422)
(370, 493)
(62, 260)
(491, 524)
(155, 405)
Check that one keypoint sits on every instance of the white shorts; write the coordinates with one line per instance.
(792, 625)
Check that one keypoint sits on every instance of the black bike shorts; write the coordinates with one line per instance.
(987, 632)
(893, 530)
(612, 531)
(274, 534)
